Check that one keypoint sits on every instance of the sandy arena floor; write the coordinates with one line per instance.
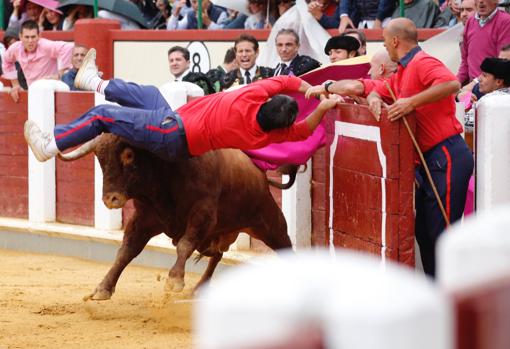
(41, 306)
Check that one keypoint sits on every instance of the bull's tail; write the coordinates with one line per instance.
(291, 171)
(198, 258)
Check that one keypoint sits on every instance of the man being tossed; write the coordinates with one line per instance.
(248, 118)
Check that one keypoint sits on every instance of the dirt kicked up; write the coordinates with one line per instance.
(41, 306)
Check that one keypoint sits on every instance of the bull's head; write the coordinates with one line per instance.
(119, 162)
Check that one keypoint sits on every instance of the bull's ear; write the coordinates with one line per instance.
(127, 157)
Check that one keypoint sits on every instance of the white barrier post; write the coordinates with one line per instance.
(104, 218)
(349, 302)
(297, 209)
(476, 251)
(41, 175)
(492, 152)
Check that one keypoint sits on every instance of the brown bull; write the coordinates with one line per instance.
(201, 204)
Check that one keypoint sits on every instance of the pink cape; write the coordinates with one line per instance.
(298, 153)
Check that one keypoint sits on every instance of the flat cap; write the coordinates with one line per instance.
(344, 42)
(498, 67)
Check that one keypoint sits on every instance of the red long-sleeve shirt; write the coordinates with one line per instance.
(435, 121)
(229, 119)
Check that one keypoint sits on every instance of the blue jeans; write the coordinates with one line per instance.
(144, 119)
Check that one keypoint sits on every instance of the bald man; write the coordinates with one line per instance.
(381, 67)
(425, 90)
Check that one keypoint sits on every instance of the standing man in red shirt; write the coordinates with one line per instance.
(247, 118)
(425, 89)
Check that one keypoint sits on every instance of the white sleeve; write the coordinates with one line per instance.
(183, 23)
(172, 23)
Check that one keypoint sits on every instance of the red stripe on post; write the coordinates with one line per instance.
(162, 130)
(448, 179)
(82, 125)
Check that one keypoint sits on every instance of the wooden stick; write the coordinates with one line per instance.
(418, 150)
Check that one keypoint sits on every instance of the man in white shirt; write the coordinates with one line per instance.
(178, 61)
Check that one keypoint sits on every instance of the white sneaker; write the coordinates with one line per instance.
(87, 72)
(38, 141)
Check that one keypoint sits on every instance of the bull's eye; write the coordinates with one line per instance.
(127, 157)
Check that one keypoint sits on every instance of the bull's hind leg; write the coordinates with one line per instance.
(222, 244)
(136, 236)
(211, 266)
(200, 223)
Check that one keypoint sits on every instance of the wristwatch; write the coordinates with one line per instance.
(327, 84)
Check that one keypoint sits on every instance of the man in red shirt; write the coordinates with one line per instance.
(247, 118)
(425, 88)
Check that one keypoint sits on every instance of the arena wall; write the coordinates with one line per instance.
(369, 207)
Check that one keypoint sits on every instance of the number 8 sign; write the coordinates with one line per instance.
(199, 57)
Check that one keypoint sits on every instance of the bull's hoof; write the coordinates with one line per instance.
(99, 295)
(174, 285)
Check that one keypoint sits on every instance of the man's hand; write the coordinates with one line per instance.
(329, 102)
(375, 105)
(400, 108)
(315, 91)
(314, 119)
(345, 22)
(454, 7)
(14, 92)
(178, 5)
(205, 19)
(315, 9)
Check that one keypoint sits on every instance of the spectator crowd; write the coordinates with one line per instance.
(27, 57)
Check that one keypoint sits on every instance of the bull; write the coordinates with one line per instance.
(201, 204)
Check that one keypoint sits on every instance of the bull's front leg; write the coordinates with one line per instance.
(136, 236)
(200, 223)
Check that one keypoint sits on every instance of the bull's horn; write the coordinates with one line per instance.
(80, 152)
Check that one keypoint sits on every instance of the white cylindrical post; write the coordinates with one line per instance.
(476, 251)
(297, 209)
(41, 175)
(492, 152)
(343, 302)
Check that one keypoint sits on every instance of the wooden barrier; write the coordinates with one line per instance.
(362, 188)
(13, 157)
